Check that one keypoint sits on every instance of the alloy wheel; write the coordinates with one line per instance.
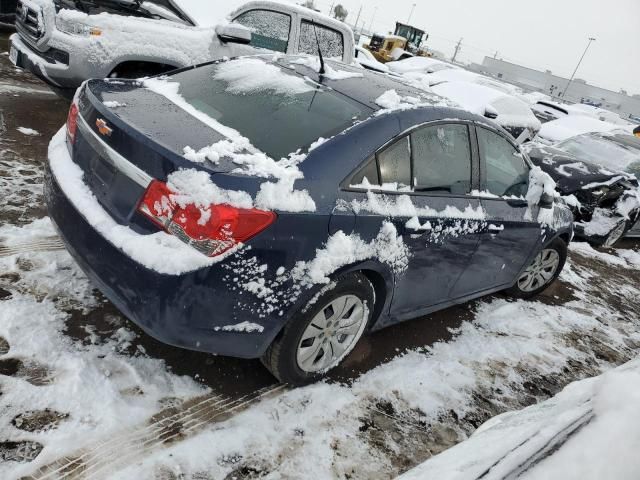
(331, 334)
(541, 271)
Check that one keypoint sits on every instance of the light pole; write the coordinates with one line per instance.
(375, 10)
(411, 14)
(591, 39)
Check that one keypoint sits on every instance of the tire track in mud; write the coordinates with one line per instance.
(41, 245)
(169, 426)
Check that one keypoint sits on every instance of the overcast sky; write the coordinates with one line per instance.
(542, 34)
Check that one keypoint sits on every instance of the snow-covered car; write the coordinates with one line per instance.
(587, 431)
(572, 125)
(66, 42)
(590, 174)
(365, 58)
(548, 110)
(613, 152)
(420, 65)
(510, 113)
(293, 210)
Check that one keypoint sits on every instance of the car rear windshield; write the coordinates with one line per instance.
(279, 111)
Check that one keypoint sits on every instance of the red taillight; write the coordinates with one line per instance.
(212, 230)
(72, 123)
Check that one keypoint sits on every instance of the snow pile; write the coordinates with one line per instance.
(243, 327)
(582, 433)
(113, 104)
(341, 250)
(330, 73)
(540, 183)
(391, 101)
(602, 222)
(419, 64)
(195, 187)
(251, 75)
(629, 203)
(28, 131)
(402, 206)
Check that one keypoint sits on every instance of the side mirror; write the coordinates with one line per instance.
(490, 112)
(233, 33)
(546, 201)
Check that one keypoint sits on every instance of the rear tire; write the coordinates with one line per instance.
(322, 334)
(543, 270)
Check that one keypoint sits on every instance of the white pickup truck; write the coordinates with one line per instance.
(65, 42)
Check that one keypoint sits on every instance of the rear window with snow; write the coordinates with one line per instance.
(278, 111)
(331, 41)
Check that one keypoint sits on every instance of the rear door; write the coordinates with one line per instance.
(423, 182)
(511, 236)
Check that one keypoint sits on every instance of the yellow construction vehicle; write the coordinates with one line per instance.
(406, 41)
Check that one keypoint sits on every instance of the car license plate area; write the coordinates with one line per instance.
(102, 176)
(13, 55)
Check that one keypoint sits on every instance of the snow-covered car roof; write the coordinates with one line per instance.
(419, 64)
(476, 98)
(572, 125)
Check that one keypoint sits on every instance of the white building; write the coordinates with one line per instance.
(546, 82)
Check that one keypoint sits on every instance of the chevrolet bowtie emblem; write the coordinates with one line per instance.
(103, 128)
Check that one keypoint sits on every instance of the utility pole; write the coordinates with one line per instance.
(591, 39)
(375, 10)
(411, 14)
(495, 55)
(331, 9)
(458, 46)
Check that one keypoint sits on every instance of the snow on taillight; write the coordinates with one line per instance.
(211, 230)
(72, 123)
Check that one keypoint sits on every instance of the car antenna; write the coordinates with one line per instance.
(322, 70)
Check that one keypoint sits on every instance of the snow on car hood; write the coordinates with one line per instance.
(476, 98)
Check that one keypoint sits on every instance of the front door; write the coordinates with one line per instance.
(511, 234)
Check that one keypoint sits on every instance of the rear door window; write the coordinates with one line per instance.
(506, 172)
(395, 164)
(269, 29)
(442, 159)
(331, 41)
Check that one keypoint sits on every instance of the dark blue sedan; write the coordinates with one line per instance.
(259, 209)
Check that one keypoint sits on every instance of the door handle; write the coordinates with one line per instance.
(495, 228)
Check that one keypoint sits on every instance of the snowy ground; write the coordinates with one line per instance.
(84, 394)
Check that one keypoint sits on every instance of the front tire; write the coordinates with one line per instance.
(543, 270)
(321, 335)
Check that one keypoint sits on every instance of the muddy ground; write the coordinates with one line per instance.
(402, 436)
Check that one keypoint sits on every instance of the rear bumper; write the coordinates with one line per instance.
(180, 310)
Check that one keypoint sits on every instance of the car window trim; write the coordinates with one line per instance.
(291, 22)
(347, 185)
(483, 165)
